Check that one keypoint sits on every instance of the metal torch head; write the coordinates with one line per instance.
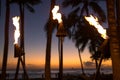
(61, 32)
(17, 51)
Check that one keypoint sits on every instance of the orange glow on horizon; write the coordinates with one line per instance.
(35, 58)
(37, 62)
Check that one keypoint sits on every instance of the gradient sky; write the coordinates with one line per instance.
(35, 39)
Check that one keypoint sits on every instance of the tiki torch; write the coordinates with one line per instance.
(17, 49)
(61, 30)
(61, 33)
(94, 22)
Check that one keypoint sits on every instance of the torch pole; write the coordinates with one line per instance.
(61, 59)
(17, 69)
(61, 33)
(101, 58)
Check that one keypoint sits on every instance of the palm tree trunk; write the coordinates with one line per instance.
(101, 48)
(6, 38)
(114, 41)
(48, 58)
(0, 7)
(97, 76)
(22, 32)
(118, 16)
(81, 62)
(25, 76)
(21, 6)
(48, 45)
(17, 69)
(96, 62)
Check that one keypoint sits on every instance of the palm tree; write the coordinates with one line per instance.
(86, 34)
(114, 41)
(77, 21)
(6, 38)
(118, 17)
(49, 29)
(85, 6)
(81, 32)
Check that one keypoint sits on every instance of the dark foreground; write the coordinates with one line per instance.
(81, 77)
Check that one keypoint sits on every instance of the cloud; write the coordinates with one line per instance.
(89, 64)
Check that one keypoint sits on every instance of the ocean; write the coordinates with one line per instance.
(54, 73)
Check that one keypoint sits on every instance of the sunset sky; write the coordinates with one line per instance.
(35, 39)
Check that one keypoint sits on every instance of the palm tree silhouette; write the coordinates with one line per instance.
(6, 38)
(104, 51)
(49, 27)
(118, 17)
(87, 35)
(114, 39)
(82, 32)
(79, 52)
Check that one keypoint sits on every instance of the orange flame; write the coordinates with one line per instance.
(56, 15)
(17, 31)
(94, 22)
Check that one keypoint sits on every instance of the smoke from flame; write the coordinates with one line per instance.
(17, 31)
(56, 15)
(94, 22)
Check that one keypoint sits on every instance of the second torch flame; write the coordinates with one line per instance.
(57, 15)
(94, 22)
(17, 31)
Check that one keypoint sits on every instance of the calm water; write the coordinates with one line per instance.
(40, 73)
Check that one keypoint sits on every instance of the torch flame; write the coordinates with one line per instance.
(56, 15)
(94, 22)
(17, 32)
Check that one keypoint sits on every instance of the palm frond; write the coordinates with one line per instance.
(28, 3)
(71, 21)
(82, 31)
(72, 3)
(97, 9)
(34, 2)
(30, 8)
(84, 44)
